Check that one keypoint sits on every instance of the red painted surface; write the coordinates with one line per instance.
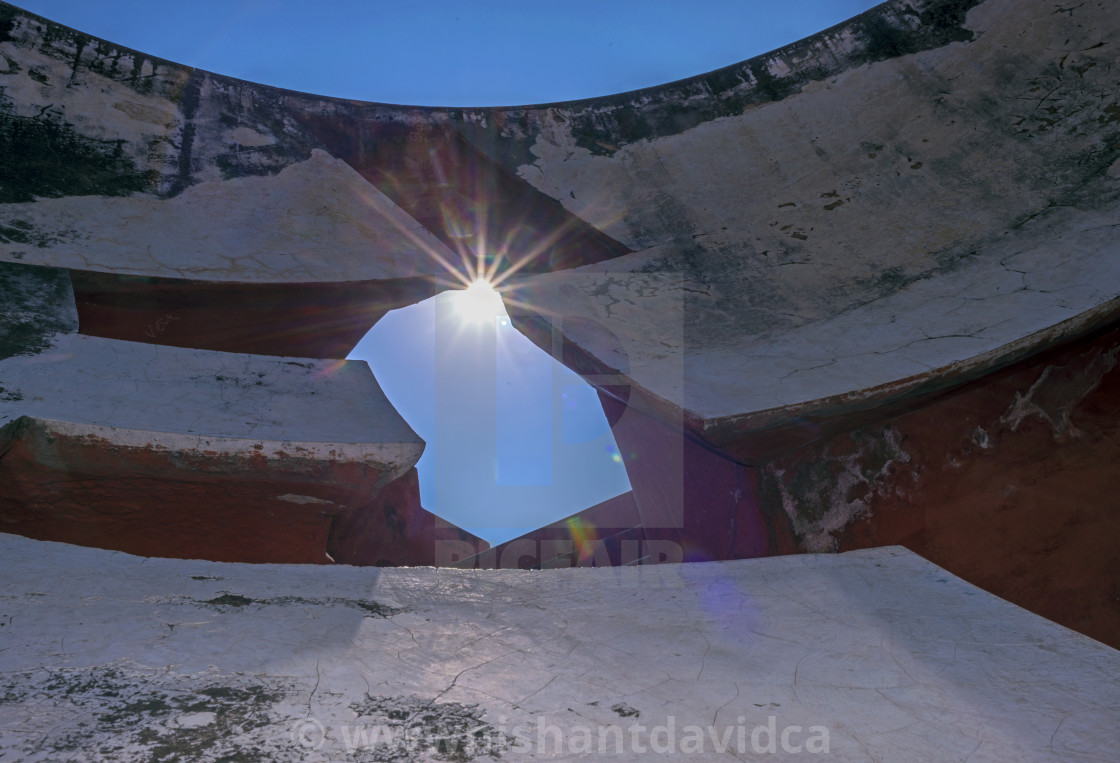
(307, 320)
(1029, 510)
(693, 496)
(153, 502)
(394, 530)
(593, 537)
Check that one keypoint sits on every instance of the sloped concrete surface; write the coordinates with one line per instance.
(107, 656)
(960, 325)
(251, 229)
(151, 395)
(858, 230)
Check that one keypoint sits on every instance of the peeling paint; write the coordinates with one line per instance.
(1057, 391)
(301, 499)
(822, 494)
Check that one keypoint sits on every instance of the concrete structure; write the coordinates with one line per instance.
(860, 291)
(856, 294)
(872, 655)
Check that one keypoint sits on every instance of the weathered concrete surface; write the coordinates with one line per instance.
(789, 279)
(895, 658)
(836, 254)
(870, 233)
(195, 399)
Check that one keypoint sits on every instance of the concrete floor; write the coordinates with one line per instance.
(870, 655)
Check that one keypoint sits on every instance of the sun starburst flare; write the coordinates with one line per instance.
(479, 302)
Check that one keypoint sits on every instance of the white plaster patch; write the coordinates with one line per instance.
(302, 499)
(246, 136)
(143, 112)
(194, 720)
(826, 502)
(981, 438)
(1054, 401)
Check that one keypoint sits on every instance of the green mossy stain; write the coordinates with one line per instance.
(941, 23)
(135, 716)
(810, 485)
(16, 232)
(370, 608)
(45, 157)
(188, 105)
(1110, 114)
(7, 22)
(230, 600)
(258, 161)
(393, 520)
(36, 303)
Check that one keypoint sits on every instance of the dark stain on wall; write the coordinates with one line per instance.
(188, 106)
(941, 23)
(45, 157)
(7, 23)
(888, 31)
(231, 105)
(37, 303)
(81, 51)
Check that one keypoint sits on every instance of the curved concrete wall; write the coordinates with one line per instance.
(788, 278)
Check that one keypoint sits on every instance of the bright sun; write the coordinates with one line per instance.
(478, 303)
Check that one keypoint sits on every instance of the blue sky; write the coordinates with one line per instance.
(515, 441)
(445, 53)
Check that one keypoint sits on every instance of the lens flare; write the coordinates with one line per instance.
(585, 537)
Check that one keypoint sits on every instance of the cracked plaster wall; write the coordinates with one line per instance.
(1009, 481)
